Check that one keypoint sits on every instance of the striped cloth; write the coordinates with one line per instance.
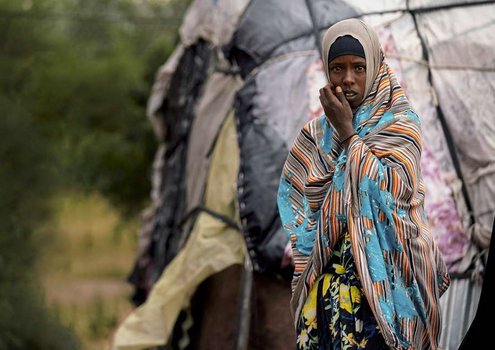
(375, 190)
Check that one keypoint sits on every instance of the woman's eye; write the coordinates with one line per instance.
(336, 69)
(361, 68)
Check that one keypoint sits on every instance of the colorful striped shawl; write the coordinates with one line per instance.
(374, 190)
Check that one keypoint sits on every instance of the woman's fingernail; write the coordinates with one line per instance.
(338, 89)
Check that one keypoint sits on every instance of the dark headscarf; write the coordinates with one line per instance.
(345, 45)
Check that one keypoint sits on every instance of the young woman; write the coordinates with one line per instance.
(368, 274)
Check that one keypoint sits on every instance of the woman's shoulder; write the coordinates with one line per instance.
(314, 127)
(399, 122)
(408, 122)
(309, 135)
(407, 116)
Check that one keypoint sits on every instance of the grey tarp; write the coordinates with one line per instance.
(467, 98)
(270, 108)
(211, 112)
(273, 46)
(273, 28)
(179, 105)
(444, 203)
(176, 93)
(177, 113)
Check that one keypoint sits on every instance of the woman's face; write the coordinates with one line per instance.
(349, 72)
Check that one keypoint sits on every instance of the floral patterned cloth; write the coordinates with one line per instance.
(336, 314)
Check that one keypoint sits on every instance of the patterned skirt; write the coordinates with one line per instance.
(336, 314)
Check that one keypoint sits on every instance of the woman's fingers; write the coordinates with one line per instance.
(336, 107)
(328, 95)
(340, 95)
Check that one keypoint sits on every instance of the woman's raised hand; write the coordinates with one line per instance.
(337, 109)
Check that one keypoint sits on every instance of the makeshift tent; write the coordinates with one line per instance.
(259, 62)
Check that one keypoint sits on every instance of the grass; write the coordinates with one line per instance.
(89, 250)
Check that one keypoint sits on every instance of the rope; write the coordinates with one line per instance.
(279, 58)
(316, 32)
(443, 66)
(200, 208)
(421, 10)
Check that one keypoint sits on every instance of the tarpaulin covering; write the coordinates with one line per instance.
(261, 58)
(212, 247)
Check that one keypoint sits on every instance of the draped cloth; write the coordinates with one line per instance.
(375, 191)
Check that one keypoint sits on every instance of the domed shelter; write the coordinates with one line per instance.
(227, 105)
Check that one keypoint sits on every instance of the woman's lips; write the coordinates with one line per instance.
(350, 94)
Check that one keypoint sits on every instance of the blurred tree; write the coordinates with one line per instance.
(24, 182)
(24, 321)
(75, 76)
(90, 91)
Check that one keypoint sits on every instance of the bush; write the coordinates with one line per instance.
(25, 182)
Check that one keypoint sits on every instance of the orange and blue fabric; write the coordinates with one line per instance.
(375, 192)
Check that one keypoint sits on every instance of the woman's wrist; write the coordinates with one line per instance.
(347, 138)
(346, 141)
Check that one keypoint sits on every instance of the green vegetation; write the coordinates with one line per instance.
(75, 77)
(24, 321)
(88, 252)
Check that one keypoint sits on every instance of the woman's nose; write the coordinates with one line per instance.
(348, 77)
